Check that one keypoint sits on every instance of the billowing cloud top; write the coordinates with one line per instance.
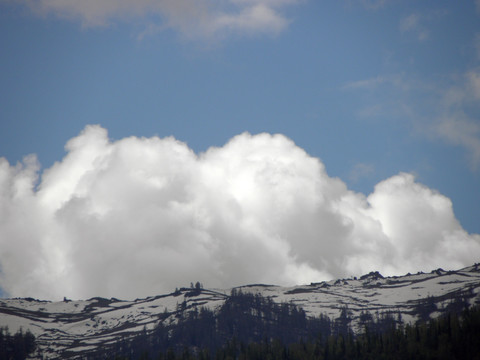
(141, 216)
(193, 18)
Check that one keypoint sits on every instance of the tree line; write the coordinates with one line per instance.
(250, 326)
(17, 346)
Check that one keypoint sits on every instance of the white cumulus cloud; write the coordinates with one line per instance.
(141, 216)
(192, 18)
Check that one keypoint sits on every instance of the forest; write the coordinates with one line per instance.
(249, 326)
(17, 346)
(253, 327)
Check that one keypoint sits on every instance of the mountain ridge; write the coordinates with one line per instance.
(73, 328)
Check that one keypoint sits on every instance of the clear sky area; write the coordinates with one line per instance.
(152, 120)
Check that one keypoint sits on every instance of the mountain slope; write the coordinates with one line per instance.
(71, 329)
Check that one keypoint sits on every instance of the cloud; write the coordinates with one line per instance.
(411, 23)
(141, 216)
(361, 170)
(368, 4)
(373, 4)
(192, 18)
(371, 83)
(460, 130)
(457, 121)
(258, 17)
(473, 82)
(476, 45)
(444, 109)
(395, 80)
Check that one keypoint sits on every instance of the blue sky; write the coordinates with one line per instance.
(372, 88)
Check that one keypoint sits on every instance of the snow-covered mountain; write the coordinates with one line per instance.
(70, 329)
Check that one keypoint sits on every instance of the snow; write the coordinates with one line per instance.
(84, 325)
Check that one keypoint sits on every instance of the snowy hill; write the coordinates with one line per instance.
(71, 329)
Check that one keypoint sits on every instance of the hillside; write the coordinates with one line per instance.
(72, 329)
